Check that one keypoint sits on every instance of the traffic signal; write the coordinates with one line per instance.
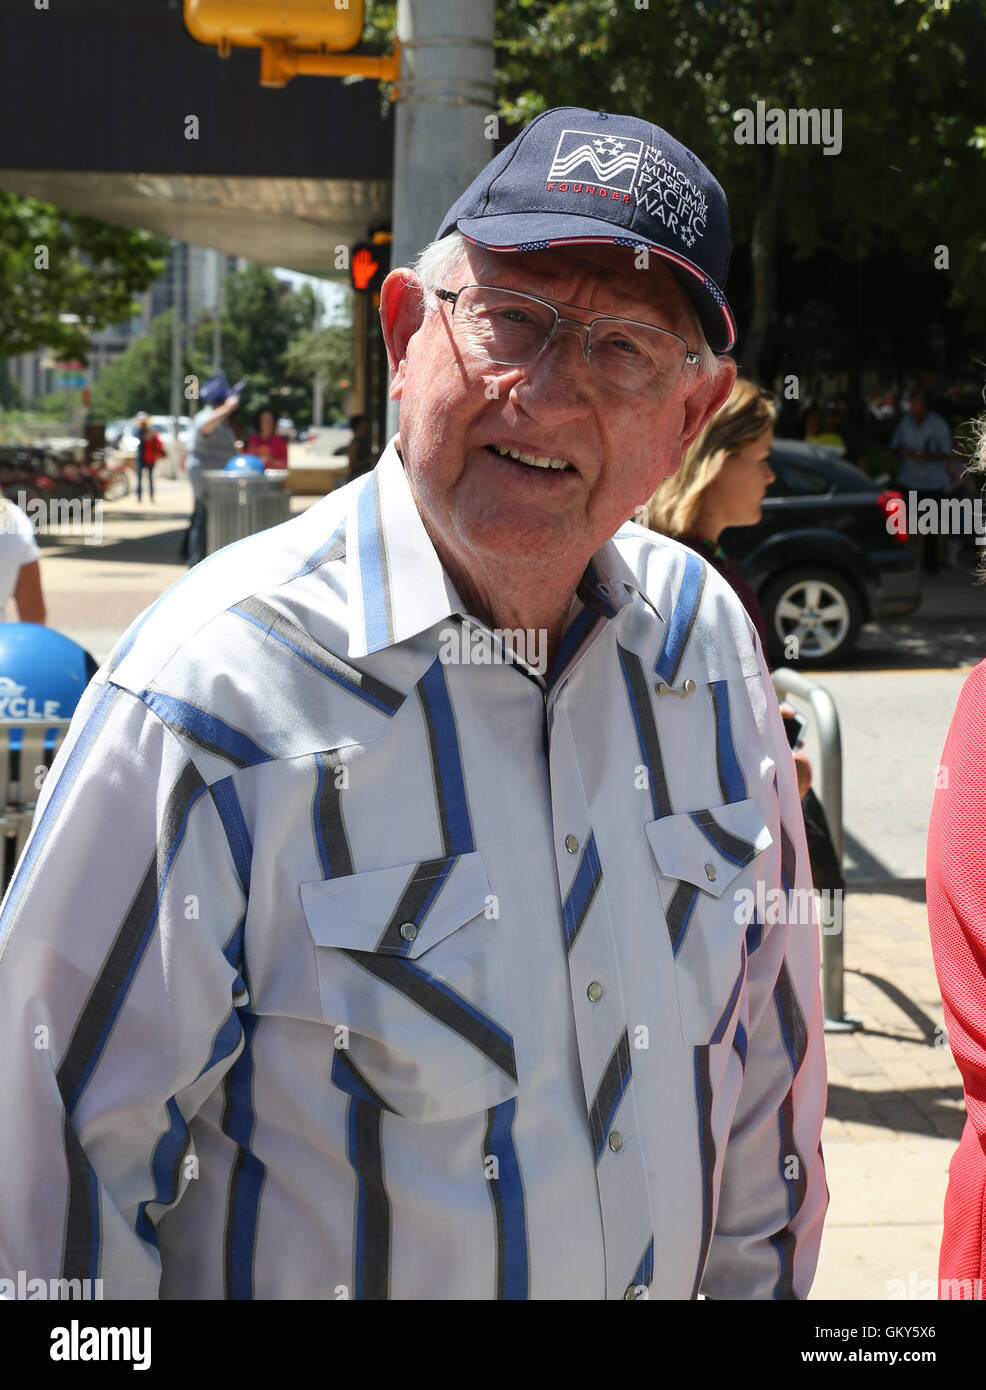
(369, 264)
(250, 23)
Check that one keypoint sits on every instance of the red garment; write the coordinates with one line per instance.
(277, 445)
(153, 449)
(956, 890)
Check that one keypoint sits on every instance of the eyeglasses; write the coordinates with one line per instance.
(510, 328)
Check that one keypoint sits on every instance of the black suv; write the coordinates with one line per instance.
(822, 559)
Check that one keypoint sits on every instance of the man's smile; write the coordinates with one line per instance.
(530, 458)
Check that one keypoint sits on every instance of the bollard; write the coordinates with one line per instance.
(787, 682)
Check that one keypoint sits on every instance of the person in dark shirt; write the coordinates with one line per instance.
(360, 451)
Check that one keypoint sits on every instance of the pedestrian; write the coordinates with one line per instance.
(149, 450)
(212, 445)
(440, 815)
(20, 566)
(266, 443)
(360, 451)
(923, 443)
(956, 896)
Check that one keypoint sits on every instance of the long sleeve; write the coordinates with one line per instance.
(956, 889)
(120, 938)
(774, 1196)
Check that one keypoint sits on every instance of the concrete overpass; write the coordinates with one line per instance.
(94, 109)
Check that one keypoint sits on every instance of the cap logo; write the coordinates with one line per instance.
(672, 197)
(611, 160)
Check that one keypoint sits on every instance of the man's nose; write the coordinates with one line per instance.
(555, 381)
(581, 331)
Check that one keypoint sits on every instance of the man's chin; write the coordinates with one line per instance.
(513, 532)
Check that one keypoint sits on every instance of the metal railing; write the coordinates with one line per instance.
(788, 683)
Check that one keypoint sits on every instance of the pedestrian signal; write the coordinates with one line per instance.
(368, 266)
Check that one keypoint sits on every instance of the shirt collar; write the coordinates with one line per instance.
(397, 584)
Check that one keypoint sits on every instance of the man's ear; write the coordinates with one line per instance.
(402, 310)
(707, 397)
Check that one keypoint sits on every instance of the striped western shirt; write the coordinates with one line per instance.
(349, 957)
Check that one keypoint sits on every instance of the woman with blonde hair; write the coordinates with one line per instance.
(721, 482)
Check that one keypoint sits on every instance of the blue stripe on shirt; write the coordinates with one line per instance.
(235, 826)
(507, 1193)
(451, 786)
(371, 567)
(730, 773)
(204, 727)
(682, 618)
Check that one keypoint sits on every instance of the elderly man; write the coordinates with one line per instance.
(419, 907)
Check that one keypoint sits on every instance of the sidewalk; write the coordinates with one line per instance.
(895, 1108)
(94, 591)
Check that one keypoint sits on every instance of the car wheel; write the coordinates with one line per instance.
(820, 608)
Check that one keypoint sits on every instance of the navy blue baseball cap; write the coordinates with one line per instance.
(575, 176)
(215, 390)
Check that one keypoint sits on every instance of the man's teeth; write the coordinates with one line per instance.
(537, 460)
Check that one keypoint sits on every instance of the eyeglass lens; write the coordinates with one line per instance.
(508, 327)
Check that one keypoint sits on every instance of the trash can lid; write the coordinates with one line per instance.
(245, 463)
(42, 672)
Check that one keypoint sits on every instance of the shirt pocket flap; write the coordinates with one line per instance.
(401, 911)
(709, 848)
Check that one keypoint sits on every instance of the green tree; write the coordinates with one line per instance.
(261, 316)
(906, 76)
(140, 378)
(326, 352)
(63, 274)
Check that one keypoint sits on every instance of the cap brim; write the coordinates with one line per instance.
(539, 231)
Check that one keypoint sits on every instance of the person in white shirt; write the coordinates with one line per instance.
(458, 941)
(20, 566)
(923, 442)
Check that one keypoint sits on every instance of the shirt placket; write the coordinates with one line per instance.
(605, 1034)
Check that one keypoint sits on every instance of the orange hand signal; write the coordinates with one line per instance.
(364, 269)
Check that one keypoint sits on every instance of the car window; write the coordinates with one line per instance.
(797, 480)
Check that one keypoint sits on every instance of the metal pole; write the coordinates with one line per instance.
(317, 390)
(443, 133)
(217, 328)
(177, 354)
(787, 682)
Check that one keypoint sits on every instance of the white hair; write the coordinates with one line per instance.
(440, 260)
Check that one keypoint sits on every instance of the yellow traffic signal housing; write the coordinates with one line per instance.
(333, 24)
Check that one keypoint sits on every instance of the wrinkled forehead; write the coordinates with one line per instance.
(610, 279)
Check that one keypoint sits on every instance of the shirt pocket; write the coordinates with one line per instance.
(700, 856)
(410, 966)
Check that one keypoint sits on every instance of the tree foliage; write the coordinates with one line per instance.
(261, 317)
(906, 75)
(140, 378)
(326, 352)
(56, 264)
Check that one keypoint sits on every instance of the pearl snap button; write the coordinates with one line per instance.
(595, 991)
(571, 843)
(409, 931)
(710, 872)
(615, 1141)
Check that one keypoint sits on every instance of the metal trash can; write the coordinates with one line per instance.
(240, 504)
